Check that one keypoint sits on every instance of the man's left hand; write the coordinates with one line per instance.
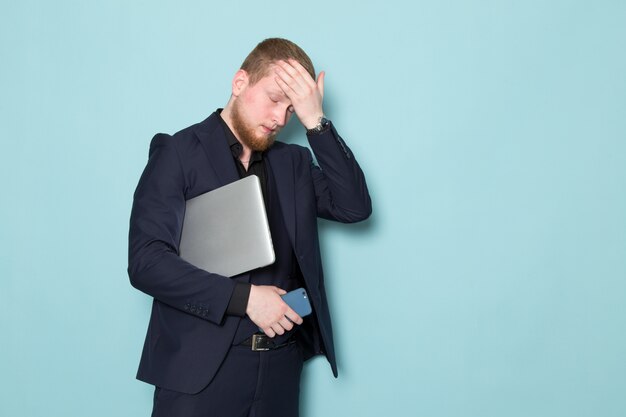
(304, 92)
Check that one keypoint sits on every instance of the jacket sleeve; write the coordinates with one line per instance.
(154, 266)
(339, 182)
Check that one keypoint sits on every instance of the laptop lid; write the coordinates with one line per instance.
(225, 231)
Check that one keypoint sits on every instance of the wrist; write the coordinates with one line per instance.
(312, 122)
(322, 126)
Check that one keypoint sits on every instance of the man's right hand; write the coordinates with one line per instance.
(267, 310)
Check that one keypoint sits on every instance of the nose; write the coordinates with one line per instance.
(281, 116)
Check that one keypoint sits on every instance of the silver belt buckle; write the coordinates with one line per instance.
(256, 341)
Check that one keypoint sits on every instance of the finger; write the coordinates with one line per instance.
(269, 332)
(293, 316)
(290, 75)
(280, 291)
(284, 87)
(286, 323)
(320, 82)
(302, 71)
(278, 329)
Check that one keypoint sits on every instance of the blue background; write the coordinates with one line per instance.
(491, 278)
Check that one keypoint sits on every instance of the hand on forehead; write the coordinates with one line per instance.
(305, 93)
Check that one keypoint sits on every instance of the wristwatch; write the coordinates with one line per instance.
(322, 126)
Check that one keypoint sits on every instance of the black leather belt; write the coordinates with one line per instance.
(261, 343)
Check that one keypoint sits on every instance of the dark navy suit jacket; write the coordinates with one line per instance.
(189, 333)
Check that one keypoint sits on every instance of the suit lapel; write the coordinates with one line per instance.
(213, 139)
(281, 165)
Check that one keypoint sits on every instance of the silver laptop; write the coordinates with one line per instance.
(225, 231)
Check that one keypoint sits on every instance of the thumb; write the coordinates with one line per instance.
(320, 82)
(280, 291)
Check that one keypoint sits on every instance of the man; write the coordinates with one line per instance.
(204, 351)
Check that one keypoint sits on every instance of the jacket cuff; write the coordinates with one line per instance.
(328, 137)
(239, 300)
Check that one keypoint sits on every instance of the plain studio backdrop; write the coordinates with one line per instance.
(490, 280)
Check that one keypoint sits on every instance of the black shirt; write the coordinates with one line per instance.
(239, 298)
(284, 272)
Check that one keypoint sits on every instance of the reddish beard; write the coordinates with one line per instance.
(247, 134)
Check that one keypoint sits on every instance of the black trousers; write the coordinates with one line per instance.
(248, 384)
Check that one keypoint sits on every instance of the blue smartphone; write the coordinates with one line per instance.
(298, 300)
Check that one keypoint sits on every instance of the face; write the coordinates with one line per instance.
(259, 111)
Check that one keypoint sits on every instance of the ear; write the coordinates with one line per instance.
(240, 82)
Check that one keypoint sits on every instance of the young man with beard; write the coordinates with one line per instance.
(203, 351)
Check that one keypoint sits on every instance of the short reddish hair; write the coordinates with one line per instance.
(269, 51)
